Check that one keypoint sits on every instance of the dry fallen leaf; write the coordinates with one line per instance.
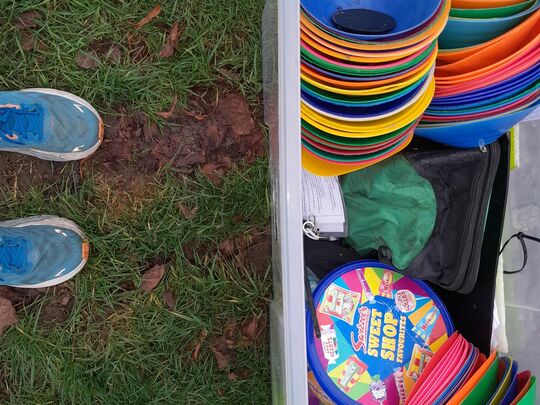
(250, 329)
(227, 248)
(171, 42)
(152, 277)
(196, 351)
(239, 218)
(215, 136)
(188, 213)
(239, 374)
(216, 171)
(196, 115)
(114, 53)
(170, 299)
(212, 171)
(149, 17)
(27, 41)
(87, 60)
(126, 286)
(235, 112)
(167, 114)
(7, 314)
(202, 336)
(28, 19)
(223, 353)
(224, 346)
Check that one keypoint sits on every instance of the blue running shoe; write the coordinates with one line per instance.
(48, 124)
(40, 251)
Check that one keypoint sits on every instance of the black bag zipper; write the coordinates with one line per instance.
(468, 268)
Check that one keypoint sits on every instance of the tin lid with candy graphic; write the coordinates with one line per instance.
(379, 329)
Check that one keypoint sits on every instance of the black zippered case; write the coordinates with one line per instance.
(462, 180)
(472, 313)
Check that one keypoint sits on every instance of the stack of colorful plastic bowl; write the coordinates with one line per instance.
(363, 93)
(484, 90)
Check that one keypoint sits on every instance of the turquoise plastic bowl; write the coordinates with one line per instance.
(465, 32)
(496, 12)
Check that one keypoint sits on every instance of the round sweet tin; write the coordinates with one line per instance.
(379, 329)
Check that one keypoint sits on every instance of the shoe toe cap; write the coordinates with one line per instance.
(72, 127)
(59, 253)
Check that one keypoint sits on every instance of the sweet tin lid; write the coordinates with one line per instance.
(379, 329)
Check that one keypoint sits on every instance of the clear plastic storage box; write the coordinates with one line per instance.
(281, 49)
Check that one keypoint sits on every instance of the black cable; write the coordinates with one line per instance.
(521, 237)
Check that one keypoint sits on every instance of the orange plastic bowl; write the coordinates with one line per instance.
(514, 65)
(445, 90)
(490, 60)
(351, 55)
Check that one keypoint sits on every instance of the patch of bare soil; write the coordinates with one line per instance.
(211, 134)
(252, 252)
(20, 173)
(56, 306)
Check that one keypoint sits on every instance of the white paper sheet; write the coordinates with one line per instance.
(322, 202)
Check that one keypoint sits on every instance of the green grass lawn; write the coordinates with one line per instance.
(118, 344)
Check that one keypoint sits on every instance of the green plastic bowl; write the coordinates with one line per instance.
(497, 12)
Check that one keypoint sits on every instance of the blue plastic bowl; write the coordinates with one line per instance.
(489, 96)
(361, 101)
(476, 133)
(465, 32)
(503, 98)
(494, 104)
(408, 15)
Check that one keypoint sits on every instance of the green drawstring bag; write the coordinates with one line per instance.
(424, 211)
(390, 205)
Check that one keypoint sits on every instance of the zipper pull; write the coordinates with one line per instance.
(385, 255)
(482, 146)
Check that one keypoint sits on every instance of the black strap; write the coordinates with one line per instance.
(521, 237)
(311, 306)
